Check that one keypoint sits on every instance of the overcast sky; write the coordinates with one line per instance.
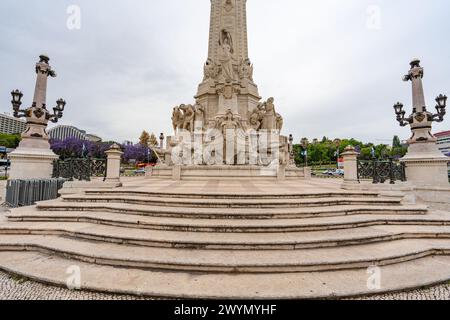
(333, 66)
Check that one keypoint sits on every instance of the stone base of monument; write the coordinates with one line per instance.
(29, 163)
(228, 172)
(426, 165)
(79, 187)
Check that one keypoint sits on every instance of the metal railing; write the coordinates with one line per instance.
(79, 169)
(381, 171)
(20, 193)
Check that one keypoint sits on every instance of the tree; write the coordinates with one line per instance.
(73, 148)
(304, 142)
(396, 143)
(139, 153)
(144, 139)
(153, 141)
(10, 140)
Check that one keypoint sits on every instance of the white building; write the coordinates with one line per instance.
(11, 125)
(444, 142)
(63, 132)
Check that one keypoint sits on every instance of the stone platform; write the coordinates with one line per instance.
(229, 239)
(224, 172)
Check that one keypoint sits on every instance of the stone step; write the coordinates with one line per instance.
(205, 194)
(231, 203)
(231, 213)
(229, 261)
(226, 241)
(227, 225)
(165, 284)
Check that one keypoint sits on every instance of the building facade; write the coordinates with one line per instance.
(11, 125)
(63, 132)
(444, 142)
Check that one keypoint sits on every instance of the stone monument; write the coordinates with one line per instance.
(425, 164)
(228, 126)
(33, 159)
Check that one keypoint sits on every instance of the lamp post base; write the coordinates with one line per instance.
(426, 165)
(31, 163)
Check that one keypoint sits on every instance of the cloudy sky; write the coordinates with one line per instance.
(333, 66)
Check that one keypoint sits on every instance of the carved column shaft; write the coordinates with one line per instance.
(416, 75)
(43, 71)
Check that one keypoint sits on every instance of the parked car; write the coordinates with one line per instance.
(334, 173)
(328, 172)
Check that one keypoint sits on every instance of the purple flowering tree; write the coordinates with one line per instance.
(78, 148)
(139, 153)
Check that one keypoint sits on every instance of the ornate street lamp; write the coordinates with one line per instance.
(161, 141)
(425, 164)
(37, 115)
(420, 120)
(440, 108)
(57, 111)
(291, 149)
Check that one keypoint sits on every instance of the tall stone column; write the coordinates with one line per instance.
(228, 73)
(33, 159)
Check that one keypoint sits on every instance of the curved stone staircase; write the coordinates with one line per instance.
(199, 242)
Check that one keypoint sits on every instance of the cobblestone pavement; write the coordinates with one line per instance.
(441, 292)
(16, 288)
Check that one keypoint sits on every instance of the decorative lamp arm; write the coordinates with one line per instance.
(57, 111)
(16, 103)
(398, 107)
(440, 108)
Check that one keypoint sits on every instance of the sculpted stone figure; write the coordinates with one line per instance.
(246, 69)
(199, 113)
(229, 122)
(280, 122)
(284, 154)
(255, 122)
(269, 121)
(177, 119)
(226, 59)
(188, 117)
(211, 70)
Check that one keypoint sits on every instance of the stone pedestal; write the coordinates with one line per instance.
(426, 165)
(350, 166)
(27, 163)
(114, 155)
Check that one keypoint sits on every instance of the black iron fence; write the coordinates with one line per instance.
(381, 171)
(79, 169)
(21, 193)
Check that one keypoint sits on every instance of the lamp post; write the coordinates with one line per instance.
(291, 150)
(161, 141)
(425, 164)
(33, 158)
(37, 115)
(420, 120)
